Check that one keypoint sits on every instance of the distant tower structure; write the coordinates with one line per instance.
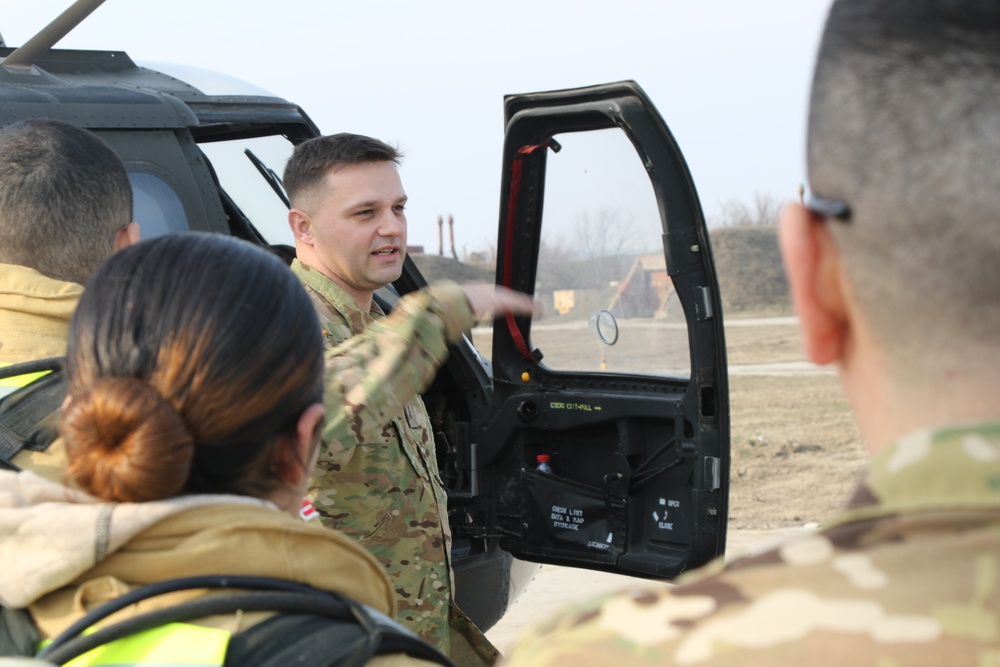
(440, 236)
(451, 236)
(802, 194)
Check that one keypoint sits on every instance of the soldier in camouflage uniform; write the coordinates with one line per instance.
(894, 277)
(377, 478)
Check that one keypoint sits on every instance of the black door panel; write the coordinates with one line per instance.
(639, 453)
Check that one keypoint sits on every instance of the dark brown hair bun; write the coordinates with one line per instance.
(225, 353)
(126, 442)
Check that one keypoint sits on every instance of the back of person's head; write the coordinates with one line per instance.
(189, 356)
(63, 196)
(904, 128)
(314, 158)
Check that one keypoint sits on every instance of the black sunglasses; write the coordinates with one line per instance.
(829, 208)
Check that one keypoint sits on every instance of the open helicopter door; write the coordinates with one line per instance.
(609, 443)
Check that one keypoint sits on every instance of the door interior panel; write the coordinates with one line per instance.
(637, 437)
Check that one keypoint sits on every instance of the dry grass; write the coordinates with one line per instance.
(768, 344)
(795, 450)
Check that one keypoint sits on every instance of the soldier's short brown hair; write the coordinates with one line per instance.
(63, 195)
(904, 127)
(314, 158)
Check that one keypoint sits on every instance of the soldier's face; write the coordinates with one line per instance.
(359, 227)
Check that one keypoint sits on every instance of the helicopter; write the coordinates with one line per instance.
(556, 445)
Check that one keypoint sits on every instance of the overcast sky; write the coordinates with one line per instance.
(730, 77)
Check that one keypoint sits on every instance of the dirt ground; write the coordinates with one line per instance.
(796, 451)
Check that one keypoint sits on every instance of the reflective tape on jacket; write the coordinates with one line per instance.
(19, 381)
(170, 645)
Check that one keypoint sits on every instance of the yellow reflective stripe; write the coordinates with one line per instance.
(20, 380)
(166, 646)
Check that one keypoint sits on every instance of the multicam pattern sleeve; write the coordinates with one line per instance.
(908, 575)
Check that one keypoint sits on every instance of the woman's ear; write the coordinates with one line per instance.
(296, 455)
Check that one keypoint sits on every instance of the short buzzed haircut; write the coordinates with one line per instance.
(314, 158)
(63, 195)
(904, 127)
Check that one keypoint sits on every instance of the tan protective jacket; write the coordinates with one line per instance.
(34, 318)
(65, 553)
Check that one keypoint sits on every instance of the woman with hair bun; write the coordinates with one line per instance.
(195, 368)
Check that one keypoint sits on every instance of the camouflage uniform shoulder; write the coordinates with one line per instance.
(909, 576)
(955, 466)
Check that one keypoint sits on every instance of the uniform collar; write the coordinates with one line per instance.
(336, 296)
(948, 468)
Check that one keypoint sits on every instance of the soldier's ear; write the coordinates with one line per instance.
(127, 235)
(301, 226)
(815, 278)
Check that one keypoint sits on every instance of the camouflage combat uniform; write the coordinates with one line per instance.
(377, 478)
(909, 574)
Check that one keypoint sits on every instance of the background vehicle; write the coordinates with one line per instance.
(639, 449)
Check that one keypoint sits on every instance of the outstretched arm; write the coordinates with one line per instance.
(371, 376)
